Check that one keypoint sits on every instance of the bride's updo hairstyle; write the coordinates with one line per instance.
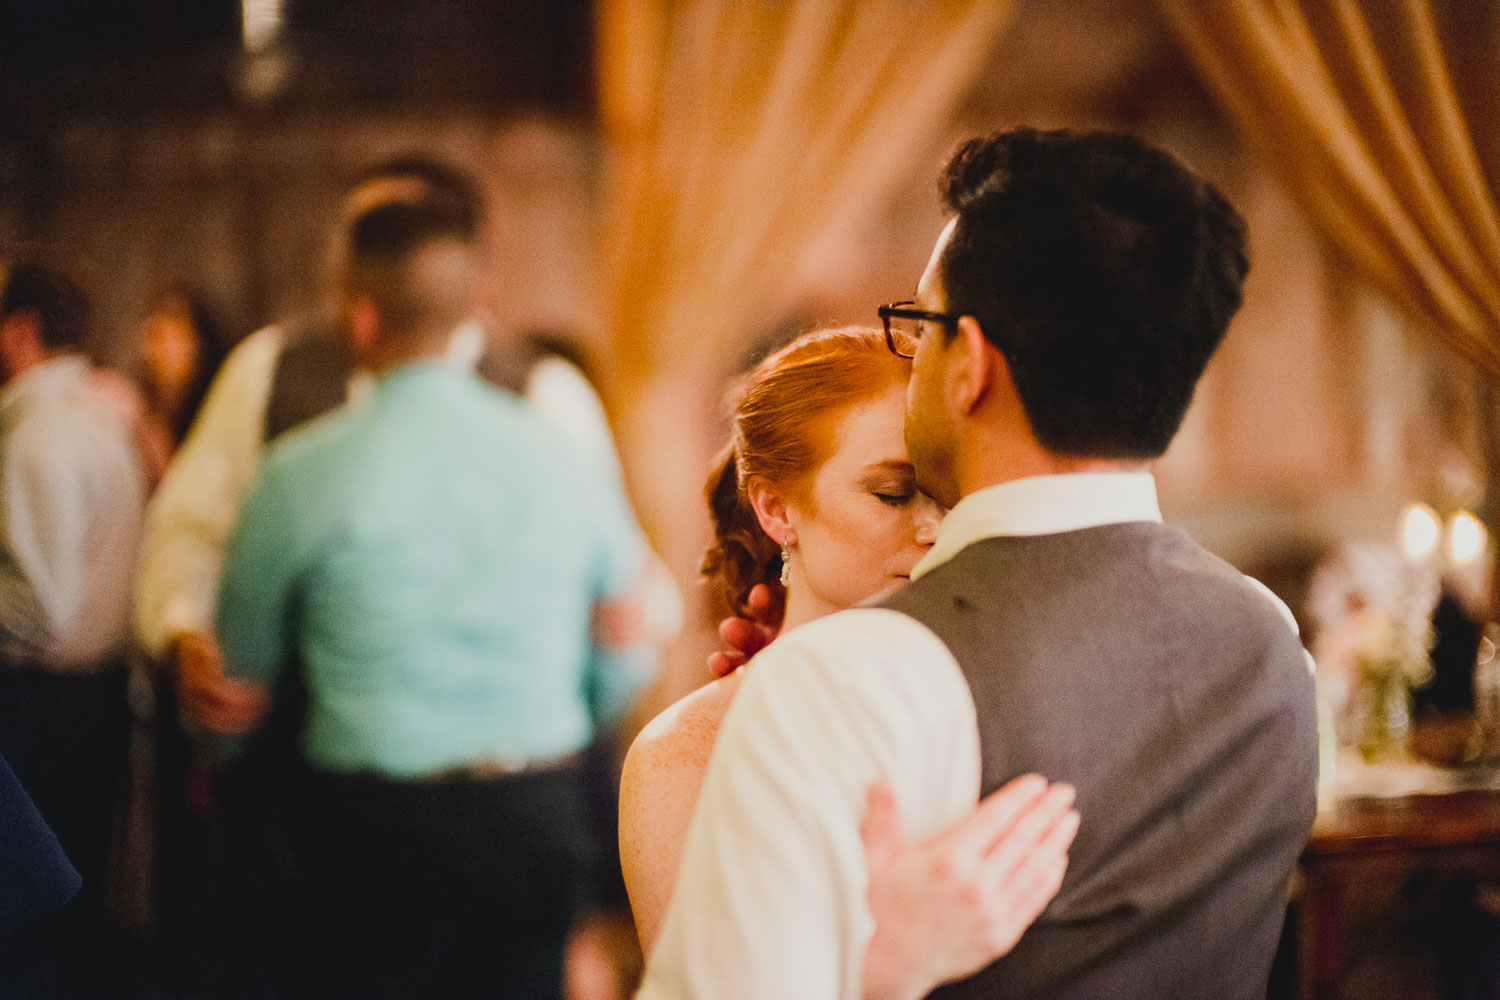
(783, 428)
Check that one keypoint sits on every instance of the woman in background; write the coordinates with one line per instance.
(182, 346)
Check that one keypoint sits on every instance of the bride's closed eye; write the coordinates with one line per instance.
(892, 482)
(895, 499)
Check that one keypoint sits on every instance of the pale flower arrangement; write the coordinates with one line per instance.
(1373, 609)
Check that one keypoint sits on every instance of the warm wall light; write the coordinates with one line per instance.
(1421, 531)
(1467, 539)
(260, 23)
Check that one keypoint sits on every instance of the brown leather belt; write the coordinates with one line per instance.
(491, 768)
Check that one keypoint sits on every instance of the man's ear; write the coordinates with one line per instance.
(974, 367)
(364, 321)
(20, 336)
(771, 511)
(10, 330)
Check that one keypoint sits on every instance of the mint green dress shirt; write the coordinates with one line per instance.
(431, 556)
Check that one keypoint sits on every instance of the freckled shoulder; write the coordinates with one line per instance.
(684, 733)
(659, 788)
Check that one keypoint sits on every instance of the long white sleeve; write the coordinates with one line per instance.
(189, 521)
(771, 896)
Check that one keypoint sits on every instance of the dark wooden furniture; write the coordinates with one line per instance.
(1373, 838)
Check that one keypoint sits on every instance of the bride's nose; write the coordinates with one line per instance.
(928, 516)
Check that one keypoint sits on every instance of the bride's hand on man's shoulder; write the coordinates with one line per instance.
(744, 637)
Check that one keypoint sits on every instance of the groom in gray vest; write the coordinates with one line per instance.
(1070, 307)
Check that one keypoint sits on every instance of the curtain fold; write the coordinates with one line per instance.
(740, 134)
(1383, 119)
(1357, 105)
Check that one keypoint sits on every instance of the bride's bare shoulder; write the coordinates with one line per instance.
(659, 788)
(683, 735)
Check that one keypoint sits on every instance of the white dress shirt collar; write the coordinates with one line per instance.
(1043, 505)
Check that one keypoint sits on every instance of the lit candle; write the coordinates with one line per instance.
(1421, 531)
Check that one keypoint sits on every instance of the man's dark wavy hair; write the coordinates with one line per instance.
(1103, 269)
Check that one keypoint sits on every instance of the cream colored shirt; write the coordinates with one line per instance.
(771, 896)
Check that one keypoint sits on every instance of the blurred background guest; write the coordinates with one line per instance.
(230, 874)
(36, 877)
(71, 500)
(277, 378)
(471, 544)
(182, 345)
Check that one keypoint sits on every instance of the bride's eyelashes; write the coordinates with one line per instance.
(895, 499)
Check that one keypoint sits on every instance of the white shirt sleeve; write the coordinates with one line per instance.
(771, 896)
(194, 510)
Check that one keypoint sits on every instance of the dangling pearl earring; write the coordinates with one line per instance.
(786, 567)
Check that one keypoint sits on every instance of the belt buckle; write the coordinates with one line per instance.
(498, 767)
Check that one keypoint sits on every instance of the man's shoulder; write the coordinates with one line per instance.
(490, 402)
(523, 438)
(69, 423)
(1218, 586)
(1155, 553)
(309, 449)
(1127, 573)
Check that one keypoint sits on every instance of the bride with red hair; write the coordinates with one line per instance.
(814, 500)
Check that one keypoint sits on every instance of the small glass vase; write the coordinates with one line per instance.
(1386, 718)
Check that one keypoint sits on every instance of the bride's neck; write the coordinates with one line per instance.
(802, 605)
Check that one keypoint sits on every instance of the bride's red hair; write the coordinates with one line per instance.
(783, 430)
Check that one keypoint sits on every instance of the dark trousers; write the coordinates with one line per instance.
(451, 889)
(228, 862)
(66, 737)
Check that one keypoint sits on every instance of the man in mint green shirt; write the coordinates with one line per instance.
(431, 557)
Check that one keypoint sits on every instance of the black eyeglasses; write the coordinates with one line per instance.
(903, 326)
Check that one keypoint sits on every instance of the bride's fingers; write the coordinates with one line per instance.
(764, 604)
(993, 817)
(1039, 877)
(739, 635)
(1029, 897)
(1038, 839)
(722, 663)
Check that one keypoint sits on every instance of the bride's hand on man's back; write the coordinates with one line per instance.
(744, 637)
(947, 906)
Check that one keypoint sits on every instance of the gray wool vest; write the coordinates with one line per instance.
(1173, 694)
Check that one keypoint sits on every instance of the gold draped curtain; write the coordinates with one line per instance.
(1383, 119)
(741, 132)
